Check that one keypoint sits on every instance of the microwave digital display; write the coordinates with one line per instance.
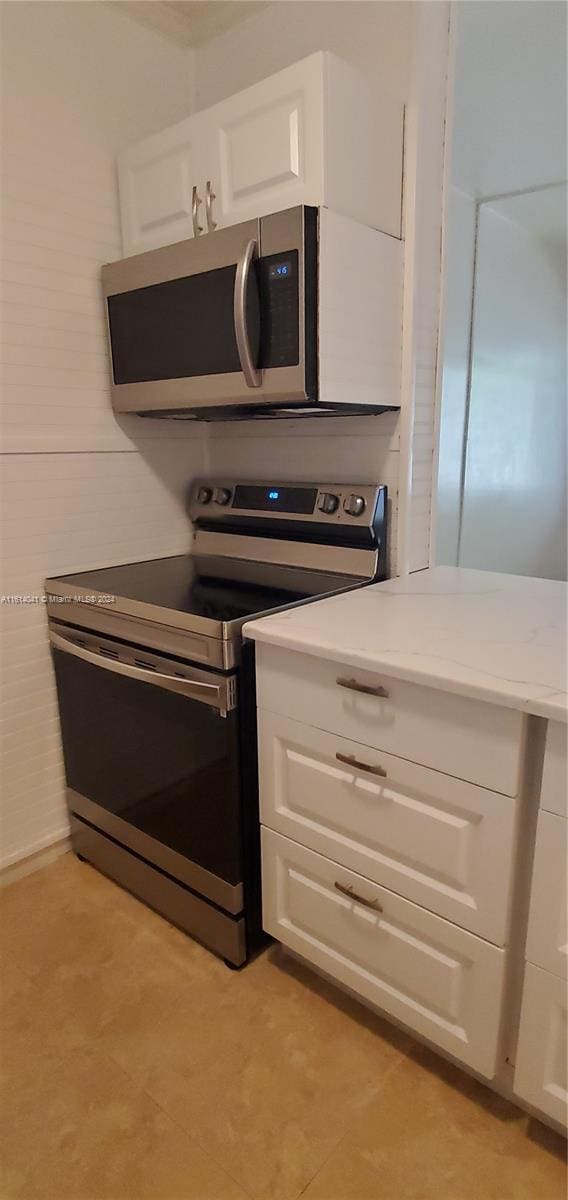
(280, 270)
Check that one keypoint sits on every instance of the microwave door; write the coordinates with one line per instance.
(171, 321)
(190, 324)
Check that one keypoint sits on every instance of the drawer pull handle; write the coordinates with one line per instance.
(360, 766)
(365, 688)
(351, 895)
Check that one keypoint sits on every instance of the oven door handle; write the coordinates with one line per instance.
(253, 377)
(215, 694)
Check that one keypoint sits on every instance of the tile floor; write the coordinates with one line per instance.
(135, 1066)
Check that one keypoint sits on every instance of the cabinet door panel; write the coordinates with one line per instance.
(438, 841)
(547, 937)
(265, 145)
(156, 179)
(540, 1071)
(439, 980)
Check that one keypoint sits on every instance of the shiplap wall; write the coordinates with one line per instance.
(78, 489)
(322, 449)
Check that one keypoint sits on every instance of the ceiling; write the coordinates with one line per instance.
(189, 22)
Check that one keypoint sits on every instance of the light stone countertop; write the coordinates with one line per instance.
(500, 638)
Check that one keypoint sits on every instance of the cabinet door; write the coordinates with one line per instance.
(264, 146)
(540, 1071)
(554, 791)
(156, 178)
(439, 980)
(442, 843)
(547, 937)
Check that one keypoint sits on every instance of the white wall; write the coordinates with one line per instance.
(79, 81)
(376, 37)
(514, 507)
(384, 41)
(459, 251)
(508, 153)
(510, 96)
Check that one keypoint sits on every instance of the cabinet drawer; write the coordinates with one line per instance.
(466, 738)
(437, 979)
(554, 790)
(540, 1071)
(436, 840)
(547, 936)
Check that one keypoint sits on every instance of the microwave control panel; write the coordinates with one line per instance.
(280, 306)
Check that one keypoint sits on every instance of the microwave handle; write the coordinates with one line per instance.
(253, 377)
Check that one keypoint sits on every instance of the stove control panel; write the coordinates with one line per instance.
(332, 504)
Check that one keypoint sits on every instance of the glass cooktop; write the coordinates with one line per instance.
(204, 588)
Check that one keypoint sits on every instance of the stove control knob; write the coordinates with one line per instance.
(222, 496)
(328, 503)
(204, 495)
(354, 505)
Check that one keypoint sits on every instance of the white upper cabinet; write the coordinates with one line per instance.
(315, 133)
(157, 186)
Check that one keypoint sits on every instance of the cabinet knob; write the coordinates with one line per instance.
(209, 198)
(195, 202)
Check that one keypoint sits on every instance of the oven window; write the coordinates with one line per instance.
(166, 764)
(181, 328)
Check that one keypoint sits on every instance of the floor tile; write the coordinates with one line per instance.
(267, 1084)
(433, 1133)
(136, 1066)
(85, 1131)
(345, 1176)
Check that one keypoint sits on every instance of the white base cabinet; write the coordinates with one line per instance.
(434, 977)
(541, 1066)
(391, 821)
(437, 840)
(315, 133)
(541, 1075)
(548, 937)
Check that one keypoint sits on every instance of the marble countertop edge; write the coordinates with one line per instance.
(479, 634)
(538, 700)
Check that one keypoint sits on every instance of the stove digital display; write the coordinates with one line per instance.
(275, 499)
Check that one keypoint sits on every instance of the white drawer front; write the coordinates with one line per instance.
(436, 840)
(554, 791)
(439, 980)
(548, 935)
(466, 738)
(540, 1071)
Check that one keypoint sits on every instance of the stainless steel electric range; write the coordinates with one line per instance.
(157, 693)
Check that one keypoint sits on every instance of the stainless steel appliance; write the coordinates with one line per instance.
(228, 324)
(157, 696)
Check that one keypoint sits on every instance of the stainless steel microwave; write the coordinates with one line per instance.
(230, 324)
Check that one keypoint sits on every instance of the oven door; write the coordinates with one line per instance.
(151, 758)
(212, 322)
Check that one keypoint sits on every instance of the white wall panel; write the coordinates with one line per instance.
(326, 449)
(79, 489)
(515, 476)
